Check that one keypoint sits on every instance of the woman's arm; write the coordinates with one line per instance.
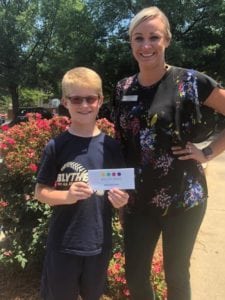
(216, 101)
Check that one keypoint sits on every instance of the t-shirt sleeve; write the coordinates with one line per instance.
(47, 172)
(206, 85)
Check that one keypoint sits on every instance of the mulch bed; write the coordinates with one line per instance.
(19, 285)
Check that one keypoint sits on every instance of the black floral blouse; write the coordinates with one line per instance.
(149, 121)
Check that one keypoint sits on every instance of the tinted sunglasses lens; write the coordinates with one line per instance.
(91, 99)
(79, 100)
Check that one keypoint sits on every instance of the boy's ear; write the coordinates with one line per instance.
(101, 98)
(64, 102)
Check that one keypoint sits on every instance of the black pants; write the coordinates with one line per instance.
(179, 230)
(66, 276)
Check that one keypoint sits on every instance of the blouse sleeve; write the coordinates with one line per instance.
(206, 85)
(197, 120)
(116, 109)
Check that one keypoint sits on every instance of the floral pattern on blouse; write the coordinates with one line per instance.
(147, 143)
(163, 115)
(194, 194)
(162, 198)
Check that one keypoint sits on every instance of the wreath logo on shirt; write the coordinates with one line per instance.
(71, 172)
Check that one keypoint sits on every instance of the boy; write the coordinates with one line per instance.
(79, 239)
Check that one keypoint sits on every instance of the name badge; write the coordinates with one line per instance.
(132, 98)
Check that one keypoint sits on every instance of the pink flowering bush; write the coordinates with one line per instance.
(158, 276)
(117, 285)
(25, 221)
(22, 145)
(106, 126)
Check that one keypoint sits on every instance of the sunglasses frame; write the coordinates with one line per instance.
(78, 100)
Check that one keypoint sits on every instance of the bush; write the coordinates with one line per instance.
(117, 287)
(25, 221)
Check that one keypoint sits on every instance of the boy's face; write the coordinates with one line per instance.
(83, 105)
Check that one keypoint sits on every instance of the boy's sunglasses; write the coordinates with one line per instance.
(79, 99)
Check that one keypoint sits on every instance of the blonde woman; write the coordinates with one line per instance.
(159, 113)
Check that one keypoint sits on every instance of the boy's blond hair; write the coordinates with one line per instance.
(81, 77)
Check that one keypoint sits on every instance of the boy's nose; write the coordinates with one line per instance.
(84, 101)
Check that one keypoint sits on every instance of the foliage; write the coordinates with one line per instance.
(25, 221)
(33, 97)
(197, 28)
(158, 277)
(106, 126)
(40, 40)
(117, 286)
(25, 35)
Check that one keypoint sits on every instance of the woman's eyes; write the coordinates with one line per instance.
(139, 38)
(153, 38)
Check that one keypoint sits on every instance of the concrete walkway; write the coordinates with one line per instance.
(208, 259)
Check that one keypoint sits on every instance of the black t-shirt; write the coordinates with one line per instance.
(83, 228)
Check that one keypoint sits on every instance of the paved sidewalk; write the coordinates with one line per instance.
(208, 259)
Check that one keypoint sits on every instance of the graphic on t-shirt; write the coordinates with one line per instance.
(69, 173)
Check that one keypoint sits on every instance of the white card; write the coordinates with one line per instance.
(106, 179)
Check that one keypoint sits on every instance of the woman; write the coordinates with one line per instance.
(159, 113)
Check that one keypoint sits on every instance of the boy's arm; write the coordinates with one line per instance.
(51, 196)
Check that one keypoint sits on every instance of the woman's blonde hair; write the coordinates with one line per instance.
(81, 77)
(150, 13)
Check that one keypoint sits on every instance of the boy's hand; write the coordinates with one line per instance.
(78, 191)
(117, 197)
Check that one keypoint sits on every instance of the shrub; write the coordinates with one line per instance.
(25, 221)
(117, 286)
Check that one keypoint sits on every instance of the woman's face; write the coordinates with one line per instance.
(148, 43)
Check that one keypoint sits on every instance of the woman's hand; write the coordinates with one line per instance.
(189, 152)
(117, 197)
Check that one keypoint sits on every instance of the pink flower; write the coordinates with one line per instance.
(7, 253)
(157, 268)
(33, 167)
(4, 127)
(30, 153)
(117, 267)
(117, 255)
(3, 203)
(3, 146)
(10, 141)
(126, 292)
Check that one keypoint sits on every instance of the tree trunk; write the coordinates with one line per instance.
(13, 90)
